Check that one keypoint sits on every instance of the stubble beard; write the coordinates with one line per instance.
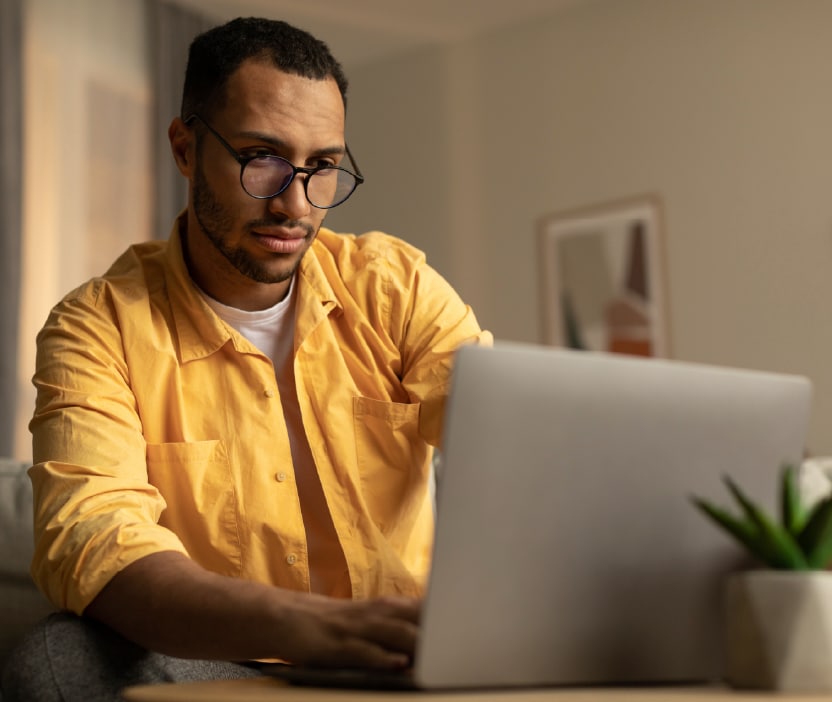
(217, 221)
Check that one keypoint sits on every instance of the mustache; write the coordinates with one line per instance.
(281, 222)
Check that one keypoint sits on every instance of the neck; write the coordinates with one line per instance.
(218, 278)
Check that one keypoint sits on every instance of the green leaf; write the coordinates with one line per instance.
(775, 540)
(744, 531)
(793, 514)
(816, 537)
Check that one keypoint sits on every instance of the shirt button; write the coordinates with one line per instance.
(268, 393)
(291, 559)
(280, 477)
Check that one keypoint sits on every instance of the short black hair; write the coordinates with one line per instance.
(217, 53)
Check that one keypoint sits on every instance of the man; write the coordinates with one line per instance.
(233, 428)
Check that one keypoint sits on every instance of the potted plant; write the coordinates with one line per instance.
(778, 618)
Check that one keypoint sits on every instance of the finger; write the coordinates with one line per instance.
(366, 654)
(405, 608)
(396, 635)
(354, 653)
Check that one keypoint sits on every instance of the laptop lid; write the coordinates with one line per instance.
(567, 550)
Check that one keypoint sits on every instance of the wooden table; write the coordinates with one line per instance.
(270, 690)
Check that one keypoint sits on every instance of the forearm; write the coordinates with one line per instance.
(165, 602)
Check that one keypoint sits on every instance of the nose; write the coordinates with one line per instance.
(292, 202)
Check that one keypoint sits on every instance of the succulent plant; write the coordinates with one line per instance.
(801, 540)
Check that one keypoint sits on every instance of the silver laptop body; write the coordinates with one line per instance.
(567, 550)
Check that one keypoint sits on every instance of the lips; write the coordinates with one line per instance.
(283, 243)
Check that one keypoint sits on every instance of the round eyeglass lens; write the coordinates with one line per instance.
(266, 176)
(329, 187)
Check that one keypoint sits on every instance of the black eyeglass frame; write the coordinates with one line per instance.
(245, 160)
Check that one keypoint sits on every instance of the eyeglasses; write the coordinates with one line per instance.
(264, 176)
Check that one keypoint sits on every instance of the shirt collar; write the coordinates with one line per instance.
(200, 332)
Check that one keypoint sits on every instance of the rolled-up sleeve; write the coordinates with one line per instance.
(95, 511)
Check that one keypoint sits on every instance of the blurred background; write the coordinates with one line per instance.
(474, 122)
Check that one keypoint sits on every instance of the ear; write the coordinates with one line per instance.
(183, 146)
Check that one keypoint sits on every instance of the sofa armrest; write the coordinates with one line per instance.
(16, 521)
(21, 603)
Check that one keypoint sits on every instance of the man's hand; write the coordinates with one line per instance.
(167, 603)
(328, 632)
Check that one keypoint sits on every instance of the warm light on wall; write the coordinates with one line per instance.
(87, 165)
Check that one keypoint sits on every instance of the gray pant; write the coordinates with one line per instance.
(66, 658)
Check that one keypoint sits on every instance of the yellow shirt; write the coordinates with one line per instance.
(159, 427)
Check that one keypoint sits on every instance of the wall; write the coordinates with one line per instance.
(86, 155)
(722, 107)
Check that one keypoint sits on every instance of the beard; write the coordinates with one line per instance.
(217, 221)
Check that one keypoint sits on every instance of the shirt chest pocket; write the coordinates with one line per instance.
(392, 458)
(197, 483)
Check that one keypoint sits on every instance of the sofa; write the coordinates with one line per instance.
(21, 603)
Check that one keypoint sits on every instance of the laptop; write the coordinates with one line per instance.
(567, 550)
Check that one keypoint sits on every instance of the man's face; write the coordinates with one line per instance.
(244, 250)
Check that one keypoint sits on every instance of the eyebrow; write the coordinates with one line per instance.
(281, 144)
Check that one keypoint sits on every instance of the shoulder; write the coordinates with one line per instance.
(95, 314)
(130, 278)
(371, 252)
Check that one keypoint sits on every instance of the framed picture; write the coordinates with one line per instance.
(603, 278)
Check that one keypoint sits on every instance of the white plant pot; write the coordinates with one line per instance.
(778, 630)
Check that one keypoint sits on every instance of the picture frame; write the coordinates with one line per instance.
(603, 274)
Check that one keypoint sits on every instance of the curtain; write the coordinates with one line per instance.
(171, 29)
(11, 208)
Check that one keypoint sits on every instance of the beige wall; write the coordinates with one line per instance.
(86, 147)
(722, 107)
